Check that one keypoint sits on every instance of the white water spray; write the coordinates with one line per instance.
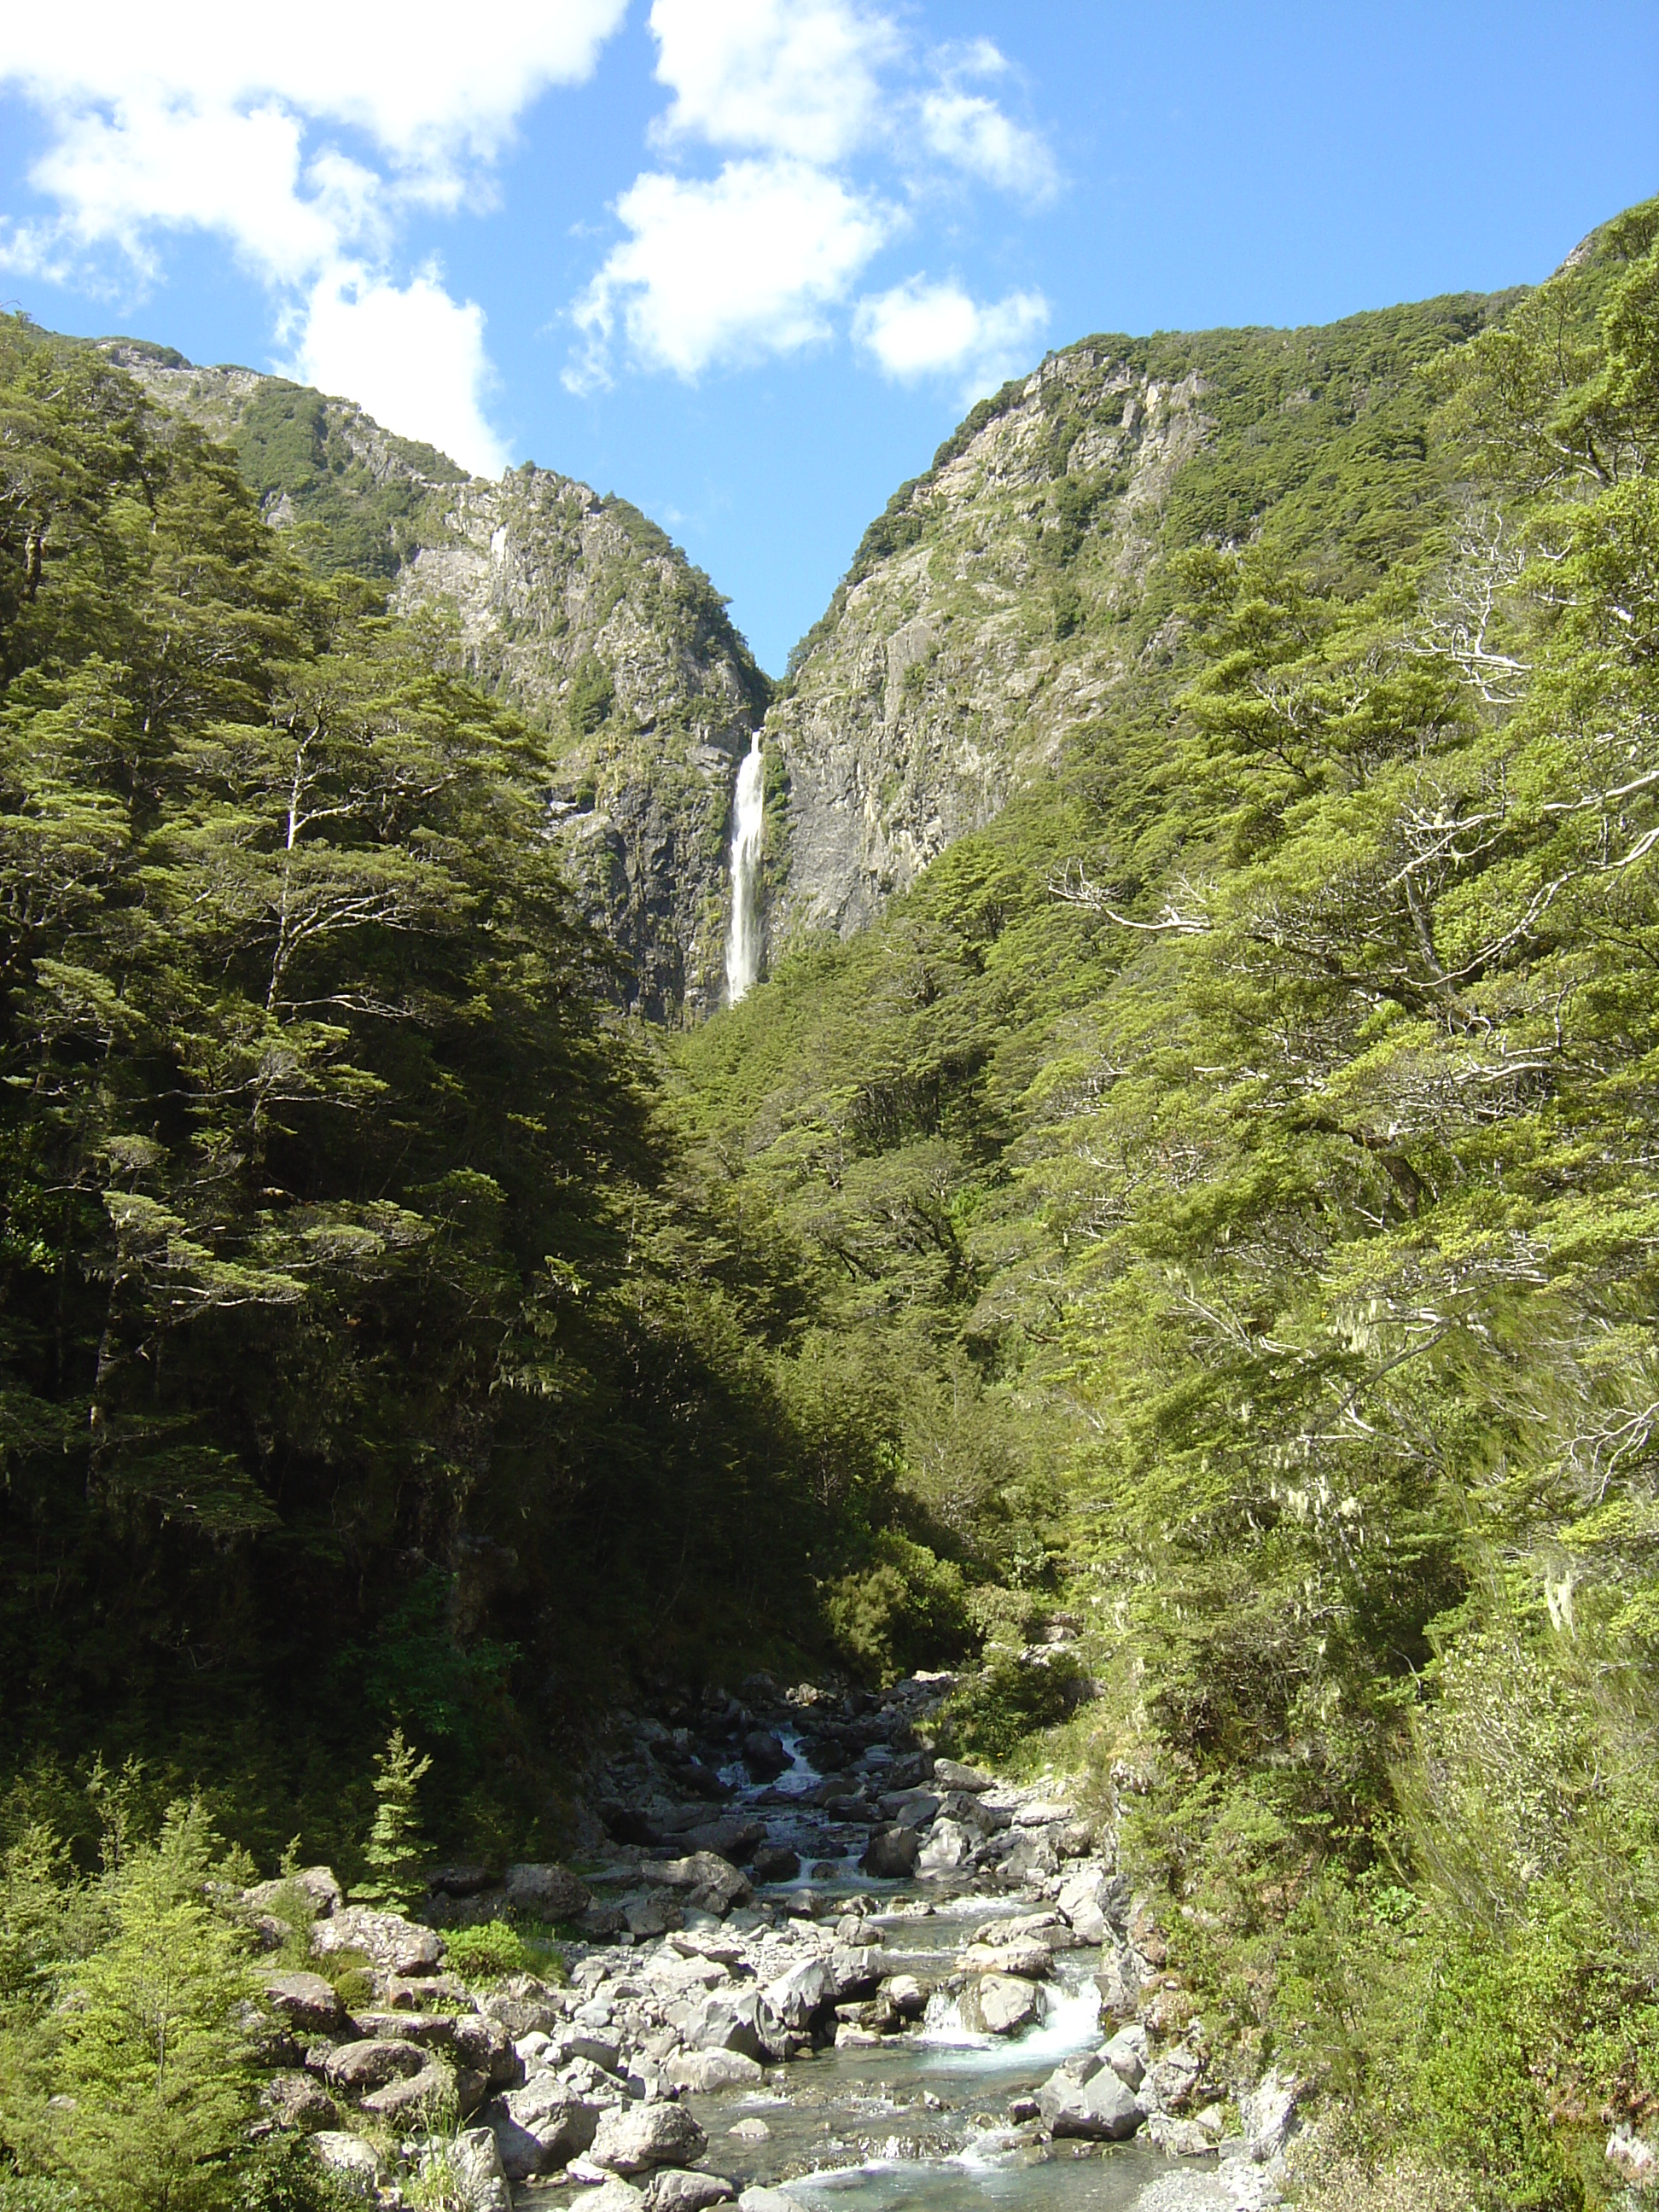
(748, 820)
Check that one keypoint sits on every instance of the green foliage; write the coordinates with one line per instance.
(486, 1953)
(395, 1851)
(1009, 1698)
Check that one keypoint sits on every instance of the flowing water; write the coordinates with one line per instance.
(921, 2119)
(748, 821)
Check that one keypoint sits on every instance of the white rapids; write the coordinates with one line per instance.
(748, 821)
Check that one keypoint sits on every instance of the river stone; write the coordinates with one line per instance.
(713, 1882)
(764, 1755)
(999, 2004)
(1089, 2101)
(674, 2189)
(477, 2168)
(745, 2020)
(857, 1969)
(613, 2196)
(730, 1838)
(294, 2100)
(635, 2138)
(1034, 1960)
(805, 1990)
(389, 1941)
(706, 2071)
(541, 2126)
(906, 1995)
(947, 1848)
(357, 2163)
(1082, 1901)
(319, 1883)
(767, 2200)
(891, 1854)
(429, 2090)
(305, 2001)
(773, 1862)
(545, 1891)
(357, 2068)
(952, 1774)
(1128, 2054)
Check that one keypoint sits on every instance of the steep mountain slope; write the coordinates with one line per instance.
(573, 608)
(1000, 602)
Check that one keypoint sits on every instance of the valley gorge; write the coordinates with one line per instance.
(865, 1436)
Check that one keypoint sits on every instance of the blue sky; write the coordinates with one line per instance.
(746, 261)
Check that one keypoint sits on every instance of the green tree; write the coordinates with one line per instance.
(396, 1851)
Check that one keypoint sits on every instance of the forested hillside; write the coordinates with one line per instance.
(1210, 1209)
(1240, 1158)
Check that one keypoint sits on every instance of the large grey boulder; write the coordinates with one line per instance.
(1087, 2100)
(1000, 2004)
(773, 1862)
(1033, 1959)
(745, 2020)
(309, 2005)
(476, 2166)
(764, 1755)
(1128, 2054)
(1083, 1901)
(386, 1940)
(706, 2071)
(952, 1774)
(406, 2100)
(674, 2189)
(891, 1853)
(948, 1847)
(355, 2068)
(1268, 2114)
(295, 2102)
(545, 1891)
(711, 1882)
(804, 1991)
(541, 2126)
(768, 2200)
(634, 2138)
(351, 2159)
(321, 1888)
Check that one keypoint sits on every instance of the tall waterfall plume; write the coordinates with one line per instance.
(748, 820)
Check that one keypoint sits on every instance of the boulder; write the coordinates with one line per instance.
(522, 2005)
(799, 1997)
(613, 2196)
(1178, 2138)
(703, 2072)
(429, 2091)
(712, 1883)
(477, 2167)
(1128, 2054)
(775, 1863)
(635, 2138)
(906, 1995)
(357, 2163)
(949, 1847)
(1268, 2114)
(767, 2200)
(545, 1891)
(1087, 2100)
(671, 2189)
(1034, 1960)
(306, 2002)
(295, 2102)
(1169, 2083)
(1082, 1899)
(764, 1755)
(745, 2020)
(857, 1969)
(541, 2126)
(975, 1813)
(319, 1883)
(1000, 2004)
(732, 1840)
(1031, 1857)
(1118, 1982)
(386, 1940)
(464, 1880)
(891, 1854)
(952, 1774)
(356, 2069)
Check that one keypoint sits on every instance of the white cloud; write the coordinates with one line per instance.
(972, 133)
(207, 117)
(743, 265)
(920, 329)
(794, 78)
(410, 355)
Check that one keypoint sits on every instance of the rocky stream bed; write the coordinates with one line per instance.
(817, 1969)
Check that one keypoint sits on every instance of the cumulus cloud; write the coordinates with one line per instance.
(409, 353)
(742, 265)
(211, 120)
(799, 77)
(809, 94)
(918, 330)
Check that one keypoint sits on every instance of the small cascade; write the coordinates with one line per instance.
(748, 821)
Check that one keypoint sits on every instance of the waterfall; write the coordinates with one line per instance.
(743, 937)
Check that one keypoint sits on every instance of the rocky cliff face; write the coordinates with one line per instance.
(576, 609)
(975, 627)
